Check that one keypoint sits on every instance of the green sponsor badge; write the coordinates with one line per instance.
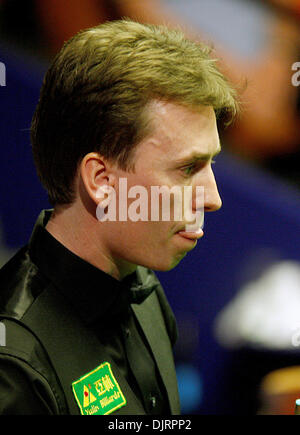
(98, 392)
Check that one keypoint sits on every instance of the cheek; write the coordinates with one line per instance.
(143, 239)
(148, 244)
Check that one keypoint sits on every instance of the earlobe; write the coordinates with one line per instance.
(97, 177)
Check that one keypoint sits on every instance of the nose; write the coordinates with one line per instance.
(211, 200)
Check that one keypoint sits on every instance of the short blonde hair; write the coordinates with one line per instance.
(95, 93)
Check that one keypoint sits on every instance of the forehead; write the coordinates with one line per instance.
(179, 131)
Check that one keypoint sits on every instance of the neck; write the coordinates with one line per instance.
(80, 232)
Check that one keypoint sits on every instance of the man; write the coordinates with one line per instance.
(88, 327)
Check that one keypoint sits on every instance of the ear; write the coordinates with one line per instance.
(96, 173)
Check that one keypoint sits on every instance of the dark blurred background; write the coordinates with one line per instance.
(237, 295)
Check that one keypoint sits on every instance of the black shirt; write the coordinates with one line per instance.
(103, 304)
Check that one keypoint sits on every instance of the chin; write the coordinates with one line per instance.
(165, 266)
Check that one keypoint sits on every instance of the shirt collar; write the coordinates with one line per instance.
(95, 295)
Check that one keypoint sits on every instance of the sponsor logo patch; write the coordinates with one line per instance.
(98, 392)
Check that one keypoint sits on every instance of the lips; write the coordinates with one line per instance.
(191, 235)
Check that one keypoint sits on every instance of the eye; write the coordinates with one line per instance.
(188, 170)
(192, 168)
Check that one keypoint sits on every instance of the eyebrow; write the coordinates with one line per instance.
(198, 156)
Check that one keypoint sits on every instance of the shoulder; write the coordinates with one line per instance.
(28, 384)
(20, 284)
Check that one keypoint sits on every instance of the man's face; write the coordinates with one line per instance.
(179, 152)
